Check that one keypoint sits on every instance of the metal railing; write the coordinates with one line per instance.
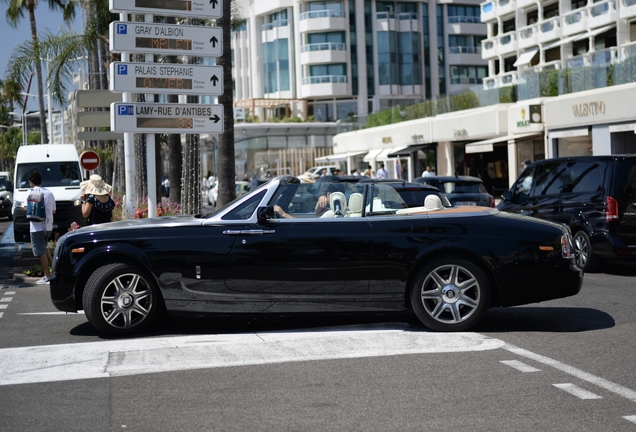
(327, 13)
(325, 79)
(324, 46)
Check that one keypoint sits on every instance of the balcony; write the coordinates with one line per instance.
(326, 85)
(488, 11)
(323, 20)
(525, 3)
(328, 52)
(628, 9)
(275, 24)
(505, 7)
(602, 14)
(579, 61)
(490, 48)
(628, 50)
(575, 22)
(604, 57)
(528, 36)
(508, 43)
(550, 30)
(464, 55)
(503, 80)
(553, 65)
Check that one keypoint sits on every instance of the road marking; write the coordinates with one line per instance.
(3, 306)
(577, 391)
(570, 370)
(6, 299)
(1, 313)
(520, 366)
(8, 293)
(52, 313)
(141, 356)
(630, 418)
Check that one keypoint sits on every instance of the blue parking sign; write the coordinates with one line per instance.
(126, 110)
(122, 29)
(122, 69)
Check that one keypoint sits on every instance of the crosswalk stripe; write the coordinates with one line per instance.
(577, 391)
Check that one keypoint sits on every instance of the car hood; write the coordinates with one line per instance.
(156, 222)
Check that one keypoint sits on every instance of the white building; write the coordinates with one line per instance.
(342, 59)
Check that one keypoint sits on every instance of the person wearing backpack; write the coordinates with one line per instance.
(41, 221)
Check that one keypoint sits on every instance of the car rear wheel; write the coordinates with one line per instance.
(450, 294)
(585, 258)
(120, 299)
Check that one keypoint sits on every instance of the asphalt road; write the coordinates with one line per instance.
(563, 365)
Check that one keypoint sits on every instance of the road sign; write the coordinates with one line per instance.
(166, 78)
(152, 118)
(89, 160)
(180, 8)
(167, 39)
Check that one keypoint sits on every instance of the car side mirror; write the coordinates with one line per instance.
(10, 186)
(263, 214)
(507, 196)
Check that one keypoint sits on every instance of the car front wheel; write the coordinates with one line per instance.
(450, 294)
(120, 299)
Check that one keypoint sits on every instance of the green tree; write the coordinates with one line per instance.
(16, 11)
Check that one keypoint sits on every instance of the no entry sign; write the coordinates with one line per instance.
(89, 160)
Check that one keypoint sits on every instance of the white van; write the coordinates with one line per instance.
(61, 174)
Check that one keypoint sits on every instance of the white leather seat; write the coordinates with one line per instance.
(356, 201)
(433, 202)
(333, 198)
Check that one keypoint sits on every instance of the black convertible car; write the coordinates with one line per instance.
(269, 252)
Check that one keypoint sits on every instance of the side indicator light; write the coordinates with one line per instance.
(546, 248)
(77, 250)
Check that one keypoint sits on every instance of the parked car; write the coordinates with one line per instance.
(313, 173)
(448, 264)
(461, 190)
(6, 194)
(213, 192)
(413, 194)
(595, 196)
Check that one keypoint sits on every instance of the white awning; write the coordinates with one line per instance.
(560, 42)
(486, 145)
(372, 155)
(384, 155)
(526, 57)
(594, 32)
(339, 156)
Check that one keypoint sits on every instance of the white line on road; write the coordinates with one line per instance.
(52, 313)
(520, 366)
(1, 313)
(6, 299)
(570, 370)
(3, 306)
(577, 391)
(8, 293)
(140, 356)
(630, 418)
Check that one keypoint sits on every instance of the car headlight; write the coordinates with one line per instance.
(17, 204)
(77, 202)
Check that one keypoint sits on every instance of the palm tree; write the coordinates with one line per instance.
(15, 12)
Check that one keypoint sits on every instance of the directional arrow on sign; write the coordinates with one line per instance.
(214, 80)
(216, 118)
(214, 3)
(214, 41)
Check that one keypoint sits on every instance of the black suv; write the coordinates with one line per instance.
(593, 195)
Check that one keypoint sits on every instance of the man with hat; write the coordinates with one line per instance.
(97, 206)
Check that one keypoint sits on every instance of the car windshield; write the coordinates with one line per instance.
(53, 173)
(3, 183)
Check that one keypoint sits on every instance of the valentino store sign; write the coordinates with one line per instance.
(589, 109)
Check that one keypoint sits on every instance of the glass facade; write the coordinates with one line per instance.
(276, 65)
(427, 50)
(440, 49)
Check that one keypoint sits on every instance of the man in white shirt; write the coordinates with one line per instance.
(382, 173)
(427, 172)
(40, 231)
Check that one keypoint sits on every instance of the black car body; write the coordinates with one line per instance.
(6, 194)
(461, 190)
(595, 196)
(376, 254)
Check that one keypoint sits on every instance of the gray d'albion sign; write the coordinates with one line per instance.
(180, 8)
(168, 78)
(167, 39)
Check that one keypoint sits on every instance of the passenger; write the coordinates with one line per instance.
(97, 204)
(322, 206)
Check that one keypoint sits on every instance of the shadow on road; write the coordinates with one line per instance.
(544, 319)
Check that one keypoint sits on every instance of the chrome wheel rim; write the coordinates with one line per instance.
(127, 301)
(581, 250)
(450, 294)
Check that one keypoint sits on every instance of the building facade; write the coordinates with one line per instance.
(345, 59)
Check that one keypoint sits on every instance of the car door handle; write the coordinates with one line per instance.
(248, 232)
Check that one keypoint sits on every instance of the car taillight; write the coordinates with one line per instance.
(491, 202)
(611, 209)
(566, 246)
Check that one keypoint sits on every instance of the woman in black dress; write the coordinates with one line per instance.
(97, 206)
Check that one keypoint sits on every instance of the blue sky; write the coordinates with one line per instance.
(10, 37)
